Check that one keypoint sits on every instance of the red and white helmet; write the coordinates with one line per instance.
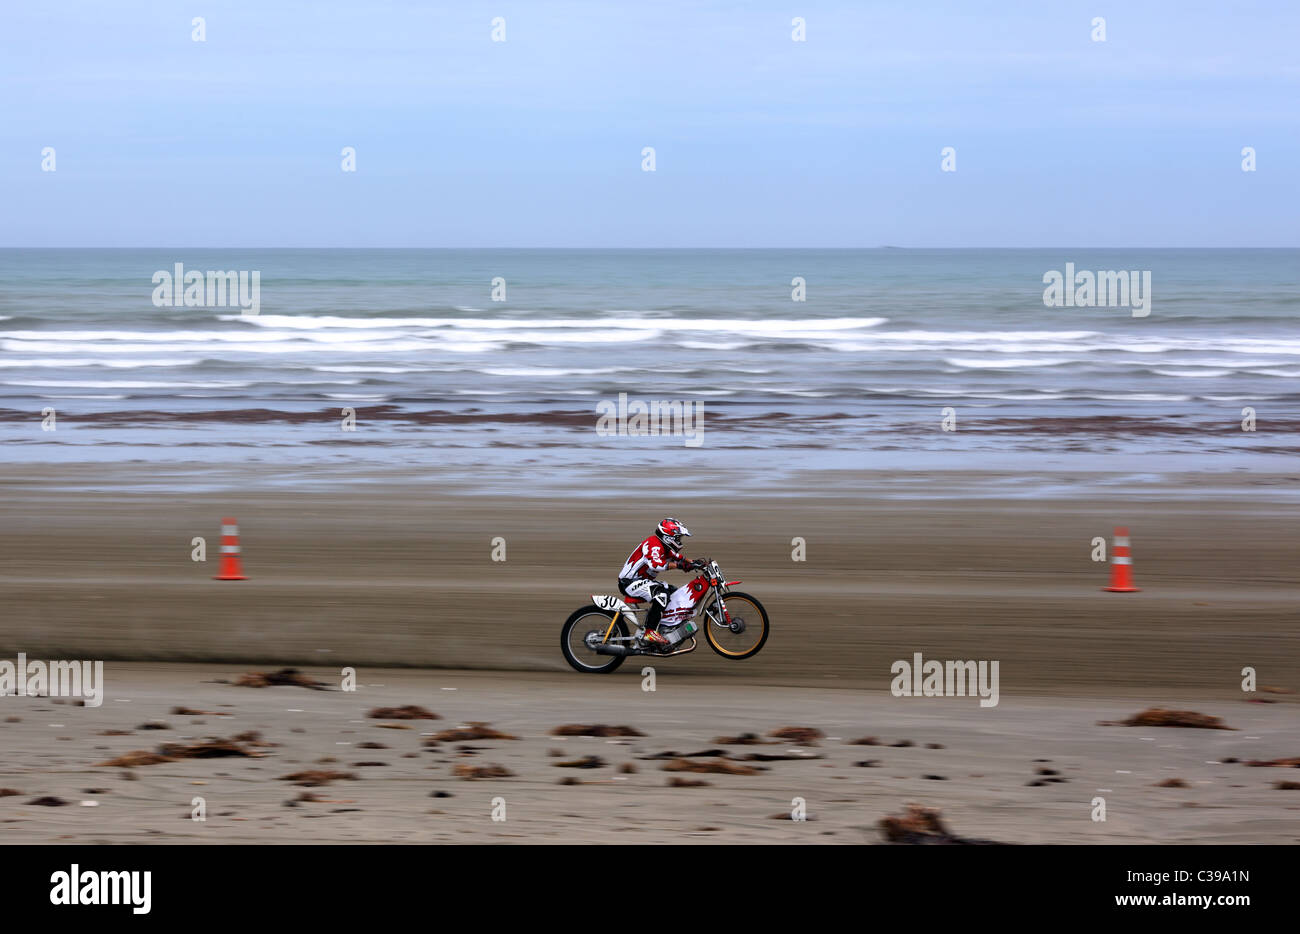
(671, 532)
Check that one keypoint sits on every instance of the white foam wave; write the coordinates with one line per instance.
(371, 369)
(553, 371)
(714, 345)
(1198, 373)
(752, 326)
(1013, 363)
(304, 347)
(126, 384)
(64, 363)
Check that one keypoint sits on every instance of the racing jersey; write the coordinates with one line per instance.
(648, 559)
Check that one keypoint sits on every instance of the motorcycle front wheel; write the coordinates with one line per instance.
(741, 631)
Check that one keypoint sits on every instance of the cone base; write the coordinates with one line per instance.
(229, 578)
(1122, 589)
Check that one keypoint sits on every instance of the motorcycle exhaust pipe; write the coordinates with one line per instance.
(606, 648)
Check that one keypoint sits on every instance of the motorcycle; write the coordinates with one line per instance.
(598, 637)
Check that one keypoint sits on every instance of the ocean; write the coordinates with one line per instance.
(859, 375)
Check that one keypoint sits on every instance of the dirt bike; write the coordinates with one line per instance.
(599, 636)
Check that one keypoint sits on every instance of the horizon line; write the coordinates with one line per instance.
(628, 249)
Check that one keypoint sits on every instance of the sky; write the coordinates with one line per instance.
(759, 140)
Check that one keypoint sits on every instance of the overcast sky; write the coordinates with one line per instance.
(760, 140)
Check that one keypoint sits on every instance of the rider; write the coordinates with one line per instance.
(657, 552)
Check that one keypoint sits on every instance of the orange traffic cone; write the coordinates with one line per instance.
(231, 569)
(1121, 565)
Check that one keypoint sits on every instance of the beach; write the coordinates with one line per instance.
(351, 363)
(395, 579)
(919, 463)
(398, 573)
(986, 771)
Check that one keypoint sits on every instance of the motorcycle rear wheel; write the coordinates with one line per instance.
(573, 640)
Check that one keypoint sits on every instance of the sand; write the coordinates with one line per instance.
(400, 574)
(983, 770)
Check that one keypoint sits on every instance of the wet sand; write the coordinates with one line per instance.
(401, 574)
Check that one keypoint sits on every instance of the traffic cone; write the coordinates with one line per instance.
(231, 569)
(1121, 565)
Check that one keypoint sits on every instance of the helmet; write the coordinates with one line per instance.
(671, 532)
